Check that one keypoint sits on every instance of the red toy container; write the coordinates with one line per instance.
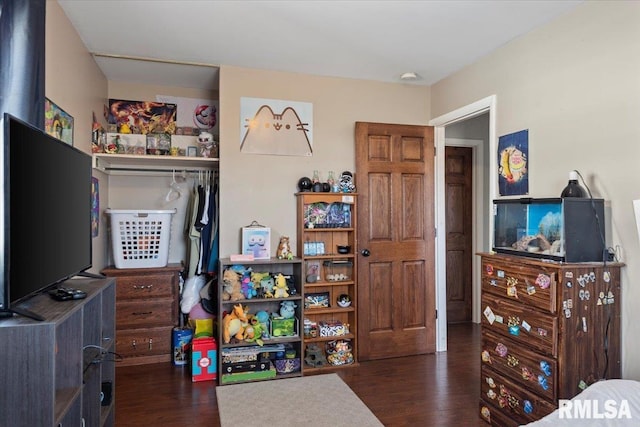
(203, 359)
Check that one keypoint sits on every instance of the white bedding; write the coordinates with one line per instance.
(611, 403)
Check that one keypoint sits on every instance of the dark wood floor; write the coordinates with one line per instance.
(439, 389)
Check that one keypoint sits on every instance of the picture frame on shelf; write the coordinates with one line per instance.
(256, 241)
(192, 151)
(317, 300)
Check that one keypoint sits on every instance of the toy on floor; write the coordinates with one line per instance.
(234, 323)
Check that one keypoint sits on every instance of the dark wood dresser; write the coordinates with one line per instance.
(549, 330)
(146, 311)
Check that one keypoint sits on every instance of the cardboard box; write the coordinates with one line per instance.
(203, 359)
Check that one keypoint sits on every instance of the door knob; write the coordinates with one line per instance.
(365, 252)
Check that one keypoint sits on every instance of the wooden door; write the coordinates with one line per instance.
(396, 239)
(458, 199)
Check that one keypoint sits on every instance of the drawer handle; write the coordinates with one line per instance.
(141, 313)
(133, 343)
(150, 343)
(142, 286)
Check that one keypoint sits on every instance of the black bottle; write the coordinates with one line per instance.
(573, 189)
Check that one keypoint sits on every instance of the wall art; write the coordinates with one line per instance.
(57, 122)
(272, 126)
(513, 164)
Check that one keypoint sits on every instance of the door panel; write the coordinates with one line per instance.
(396, 281)
(458, 199)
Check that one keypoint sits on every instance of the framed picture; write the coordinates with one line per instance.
(57, 122)
(256, 241)
(316, 300)
(159, 143)
(192, 151)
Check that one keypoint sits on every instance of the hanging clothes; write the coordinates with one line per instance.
(214, 253)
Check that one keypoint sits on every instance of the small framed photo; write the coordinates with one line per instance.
(158, 143)
(192, 151)
(256, 241)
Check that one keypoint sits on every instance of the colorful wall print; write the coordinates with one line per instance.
(194, 113)
(142, 117)
(271, 126)
(95, 207)
(57, 122)
(513, 166)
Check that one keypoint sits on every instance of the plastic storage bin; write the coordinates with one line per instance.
(140, 238)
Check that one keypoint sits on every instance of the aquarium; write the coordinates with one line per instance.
(560, 229)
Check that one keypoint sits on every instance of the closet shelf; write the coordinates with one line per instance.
(131, 164)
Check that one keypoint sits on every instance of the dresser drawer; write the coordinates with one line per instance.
(144, 287)
(138, 314)
(535, 372)
(532, 285)
(494, 416)
(144, 342)
(517, 403)
(527, 327)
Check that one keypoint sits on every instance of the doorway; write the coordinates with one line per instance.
(447, 133)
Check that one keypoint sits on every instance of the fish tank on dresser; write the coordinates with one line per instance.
(558, 229)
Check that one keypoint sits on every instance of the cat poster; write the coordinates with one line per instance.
(271, 126)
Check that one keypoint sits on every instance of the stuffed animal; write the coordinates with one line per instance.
(267, 285)
(263, 317)
(281, 290)
(246, 286)
(287, 309)
(253, 332)
(231, 288)
(284, 249)
(234, 323)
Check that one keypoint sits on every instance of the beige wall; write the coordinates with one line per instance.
(262, 187)
(75, 83)
(575, 84)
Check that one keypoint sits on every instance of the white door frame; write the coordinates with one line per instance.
(487, 104)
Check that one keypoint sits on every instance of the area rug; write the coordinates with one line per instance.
(311, 401)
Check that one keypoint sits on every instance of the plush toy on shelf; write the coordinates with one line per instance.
(284, 249)
(231, 287)
(281, 289)
(234, 324)
(287, 309)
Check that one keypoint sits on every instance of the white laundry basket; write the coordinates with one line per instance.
(140, 238)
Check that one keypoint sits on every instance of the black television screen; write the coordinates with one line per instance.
(46, 208)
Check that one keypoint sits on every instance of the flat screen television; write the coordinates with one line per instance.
(46, 209)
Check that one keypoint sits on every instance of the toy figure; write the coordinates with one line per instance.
(254, 332)
(267, 284)
(247, 287)
(281, 290)
(234, 324)
(284, 249)
(287, 309)
(231, 287)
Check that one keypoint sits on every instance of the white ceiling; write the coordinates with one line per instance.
(371, 40)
